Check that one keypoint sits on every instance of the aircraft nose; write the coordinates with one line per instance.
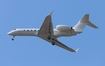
(9, 33)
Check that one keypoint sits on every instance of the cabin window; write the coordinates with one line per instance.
(31, 30)
(27, 30)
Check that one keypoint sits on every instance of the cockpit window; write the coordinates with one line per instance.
(14, 29)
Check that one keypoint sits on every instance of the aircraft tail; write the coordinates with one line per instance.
(82, 23)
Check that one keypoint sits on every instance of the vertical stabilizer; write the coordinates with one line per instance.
(82, 23)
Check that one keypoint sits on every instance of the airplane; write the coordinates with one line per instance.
(47, 33)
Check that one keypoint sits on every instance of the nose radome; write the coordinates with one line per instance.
(9, 33)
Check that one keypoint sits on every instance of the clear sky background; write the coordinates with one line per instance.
(33, 51)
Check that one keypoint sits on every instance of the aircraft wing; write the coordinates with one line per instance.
(47, 27)
(57, 43)
(65, 47)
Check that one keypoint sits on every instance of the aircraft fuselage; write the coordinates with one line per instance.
(47, 33)
(34, 31)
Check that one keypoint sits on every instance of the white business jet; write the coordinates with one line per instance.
(49, 34)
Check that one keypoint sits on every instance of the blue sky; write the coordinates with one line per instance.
(33, 51)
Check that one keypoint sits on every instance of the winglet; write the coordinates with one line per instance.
(77, 50)
(51, 12)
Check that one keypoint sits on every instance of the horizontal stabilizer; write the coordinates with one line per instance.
(91, 24)
(85, 19)
(82, 23)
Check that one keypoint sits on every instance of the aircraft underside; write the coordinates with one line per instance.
(46, 31)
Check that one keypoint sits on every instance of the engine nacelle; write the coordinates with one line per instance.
(63, 28)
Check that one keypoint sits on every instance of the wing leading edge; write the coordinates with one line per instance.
(46, 29)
